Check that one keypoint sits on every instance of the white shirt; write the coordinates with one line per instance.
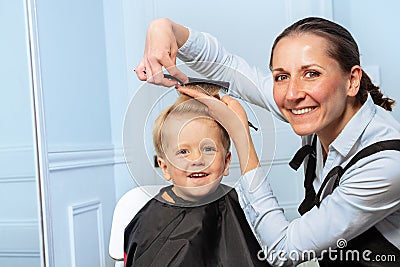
(368, 193)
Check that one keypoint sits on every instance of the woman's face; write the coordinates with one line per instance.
(310, 88)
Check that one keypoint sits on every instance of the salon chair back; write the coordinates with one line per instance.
(127, 207)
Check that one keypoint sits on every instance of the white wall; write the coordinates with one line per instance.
(375, 27)
(19, 213)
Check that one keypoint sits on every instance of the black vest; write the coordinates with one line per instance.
(371, 240)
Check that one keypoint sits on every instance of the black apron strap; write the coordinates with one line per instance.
(311, 198)
(338, 171)
(372, 149)
(310, 151)
(371, 240)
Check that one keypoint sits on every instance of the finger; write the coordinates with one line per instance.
(232, 102)
(174, 71)
(140, 71)
(202, 97)
(149, 72)
(155, 74)
(170, 82)
(144, 74)
(170, 64)
(228, 100)
(236, 107)
(159, 79)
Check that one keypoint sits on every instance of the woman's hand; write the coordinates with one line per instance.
(232, 116)
(163, 39)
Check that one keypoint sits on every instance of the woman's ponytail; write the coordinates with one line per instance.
(366, 86)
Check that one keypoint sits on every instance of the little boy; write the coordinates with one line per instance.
(196, 221)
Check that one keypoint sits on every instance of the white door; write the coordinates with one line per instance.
(70, 62)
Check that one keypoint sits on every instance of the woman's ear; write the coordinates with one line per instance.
(355, 80)
(164, 168)
(228, 159)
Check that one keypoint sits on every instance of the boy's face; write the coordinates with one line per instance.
(195, 158)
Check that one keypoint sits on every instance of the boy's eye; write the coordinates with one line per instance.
(182, 152)
(208, 149)
(312, 74)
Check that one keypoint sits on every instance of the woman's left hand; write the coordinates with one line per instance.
(232, 116)
(227, 111)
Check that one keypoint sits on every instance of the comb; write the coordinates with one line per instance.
(224, 86)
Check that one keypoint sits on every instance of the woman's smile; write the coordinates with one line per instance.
(301, 111)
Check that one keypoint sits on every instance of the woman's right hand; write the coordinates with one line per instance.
(163, 39)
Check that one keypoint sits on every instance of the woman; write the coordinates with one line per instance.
(321, 90)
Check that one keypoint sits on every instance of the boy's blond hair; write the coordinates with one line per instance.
(183, 105)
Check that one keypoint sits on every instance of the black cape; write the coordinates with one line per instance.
(213, 234)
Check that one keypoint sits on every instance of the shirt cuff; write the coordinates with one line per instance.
(186, 46)
(253, 180)
(256, 196)
(191, 48)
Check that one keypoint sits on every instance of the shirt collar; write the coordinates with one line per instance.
(354, 128)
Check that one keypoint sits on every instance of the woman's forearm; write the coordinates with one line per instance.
(246, 152)
(181, 34)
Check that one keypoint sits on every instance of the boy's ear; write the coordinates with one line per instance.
(228, 159)
(355, 80)
(164, 168)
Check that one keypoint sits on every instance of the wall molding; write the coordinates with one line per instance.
(265, 163)
(17, 229)
(65, 158)
(19, 254)
(84, 207)
(119, 155)
(29, 178)
(75, 211)
(4, 223)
